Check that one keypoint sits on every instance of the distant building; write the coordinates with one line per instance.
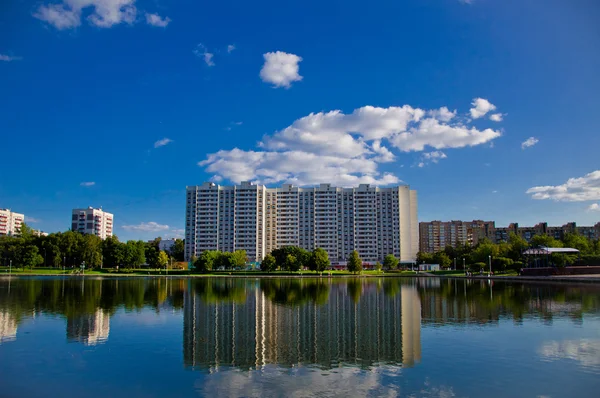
(10, 222)
(166, 244)
(436, 235)
(38, 232)
(374, 221)
(92, 221)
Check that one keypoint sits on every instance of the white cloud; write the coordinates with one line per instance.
(481, 107)
(146, 227)
(594, 207)
(466, 1)
(494, 191)
(230, 48)
(344, 149)
(87, 184)
(434, 156)
(201, 52)
(529, 142)
(442, 114)
(104, 13)
(29, 219)
(157, 20)
(238, 123)
(280, 69)
(162, 142)
(9, 58)
(496, 117)
(574, 190)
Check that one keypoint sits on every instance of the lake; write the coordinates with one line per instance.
(158, 337)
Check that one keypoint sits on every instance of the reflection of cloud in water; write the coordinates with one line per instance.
(585, 351)
(301, 381)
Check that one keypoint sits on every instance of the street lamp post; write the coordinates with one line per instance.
(454, 263)
(44, 257)
(464, 266)
(64, 262)
(490, 259)
(10, 267)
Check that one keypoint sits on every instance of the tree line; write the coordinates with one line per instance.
(74, 249)
(287, 258)
(509, 255)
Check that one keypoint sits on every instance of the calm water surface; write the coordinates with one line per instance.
(286, 337)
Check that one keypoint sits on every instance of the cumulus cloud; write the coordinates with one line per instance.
(230, 48)
(87, 184)
(481, 107)
(29, 219)
(9, 58)
(574, 190)
(345, 149)
(594, 207)
(157, 20)
(146, 227)
(431, 157)
(280, 69)
(529, 142)
(496, 117)
(201, 52)
(162, 142)
(442, 114)
(102, 13)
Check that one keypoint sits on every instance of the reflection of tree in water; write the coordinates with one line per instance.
(354, 289)
(217, 290)
(74, 297)
(294, 292)
(481, 301)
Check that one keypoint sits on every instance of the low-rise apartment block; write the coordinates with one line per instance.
(436, 235)
(92, 221)
(374, 221)
(10, 222)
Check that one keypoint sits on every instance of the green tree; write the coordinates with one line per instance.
(442, 259)
(517, 246)
(390, 262)
(152, 254)
(319, 260)
(424, 258)
(581, 243)
(163, 259)
(545, 240)
(178, 250)
(134, 254)
(239, 258)
(113, 251)
(90, 250)
(291, 264)
(207, 261)
(268, 264)
(378, 266)
(29, 256)
(354, 262)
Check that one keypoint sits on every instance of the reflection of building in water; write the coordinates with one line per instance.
(89, 329)
(8, 327)
(376, 329)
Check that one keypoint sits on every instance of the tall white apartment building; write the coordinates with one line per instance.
(92, 221)
(374, 221)
(10, 222)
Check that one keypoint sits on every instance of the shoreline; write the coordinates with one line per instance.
(561, 279)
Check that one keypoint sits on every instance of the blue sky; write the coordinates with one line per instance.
(438, 94)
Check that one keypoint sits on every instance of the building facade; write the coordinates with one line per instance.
(92, 221)
(374, 221)
(10, 222)
(436, 235)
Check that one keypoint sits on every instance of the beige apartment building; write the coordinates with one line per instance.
(92, 221)
(374, 221)
(10, 222)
